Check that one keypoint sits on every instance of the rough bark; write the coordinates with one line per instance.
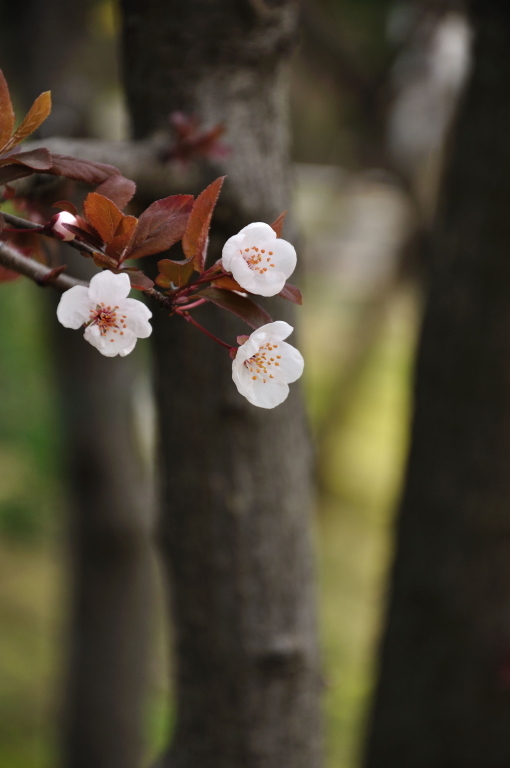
(443, 697)
(235, 480)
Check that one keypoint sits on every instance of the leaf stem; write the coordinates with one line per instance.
(206, 277)
(194, 304)
(192, 320)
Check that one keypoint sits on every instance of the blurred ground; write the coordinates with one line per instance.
(352, 227)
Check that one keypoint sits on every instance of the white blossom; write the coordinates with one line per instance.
(258, 260)
(64, 217)
(112, 322)
(265, 365)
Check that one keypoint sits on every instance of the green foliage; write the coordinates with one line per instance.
(28, 439)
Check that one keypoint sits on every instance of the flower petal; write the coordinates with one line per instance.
(284, 257)
(231, 247)
(267, 284)
(137, 317)
(243, 274)
(247, 350)
(111, 344)
(108, 288)
(267, 395)
(276, 331)
(258, 229)
(74, 307)
(291, 362)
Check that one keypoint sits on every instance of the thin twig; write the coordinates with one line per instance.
(192, 320)
(17, 221)
(39, 273)
(164, 301)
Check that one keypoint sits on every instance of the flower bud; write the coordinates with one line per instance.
(58, 221)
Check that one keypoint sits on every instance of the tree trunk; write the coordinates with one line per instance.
(235, 480)
(443, 697)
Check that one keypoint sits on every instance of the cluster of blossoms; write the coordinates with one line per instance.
(260, 262)
(255, 262)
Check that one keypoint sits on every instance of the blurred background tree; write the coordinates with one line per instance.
(443, 694)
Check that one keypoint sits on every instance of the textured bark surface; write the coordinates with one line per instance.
(236, 480)
(443, 698)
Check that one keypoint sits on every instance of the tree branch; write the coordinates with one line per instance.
(39, 273)
(137, 160)
(25, 265)
(20, 223)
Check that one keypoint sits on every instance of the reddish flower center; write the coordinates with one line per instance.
(107, 318)
(258, 259)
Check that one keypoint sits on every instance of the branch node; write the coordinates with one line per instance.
(48, 278)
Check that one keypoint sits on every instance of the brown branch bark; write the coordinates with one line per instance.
(39, 273)
(42, 275)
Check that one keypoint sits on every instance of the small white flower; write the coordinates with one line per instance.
(113, 322)
(258, 260)
(265, 365)
(59, 220)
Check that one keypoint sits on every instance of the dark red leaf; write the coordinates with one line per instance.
(118, 189)
(36, 115)
(139, 279)
(123, 237)
(277, 225)
(291, 293)
(100, 260)
(103, 214)
(228, 283)
(184, 125)
(84, 235)
(89, 229)
(162, 225)
(12, 172)
(195, 240)
(176, 272)
(65, 205)
(191, 142)
(38, 159)
(85, 171)
(241, 306)
(7, 116)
